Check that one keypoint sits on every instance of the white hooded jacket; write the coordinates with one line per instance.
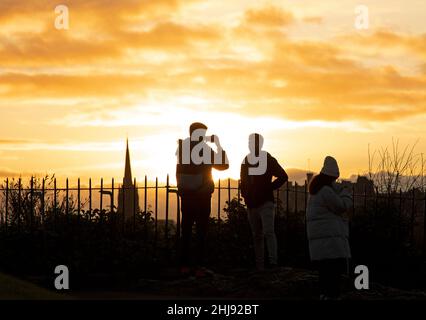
(328, 231)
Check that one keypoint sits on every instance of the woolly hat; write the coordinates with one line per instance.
(330, 167)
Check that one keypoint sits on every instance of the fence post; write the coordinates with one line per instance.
(134, 204)
(365, 198)
(218, 205)
(178, 226)
(306, 206)
(42, 201)
(287, 198)
(54, 203)
(135, 192)
(146, 205)
(90, 199)
(306, 196)
(229, 192)
(424, 224)
(166, 226)
(295, 197)
(145, 194)
(112, 216)
(32, 203)
(353, 201)
(413, 213)
(239, 193)
(376, 205)
(79, 200)
(123, 206)
(112, 196)
(156, 212)
(218, 200)
(399, 230)
(67, 200)
(305, 222)
(19, 203)
(7, 204)
(101, 201)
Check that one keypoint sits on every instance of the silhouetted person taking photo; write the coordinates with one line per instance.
(257, 186)
(195, 186)
(328, 231)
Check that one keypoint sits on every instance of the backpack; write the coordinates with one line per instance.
(189, 182)
(193, 183)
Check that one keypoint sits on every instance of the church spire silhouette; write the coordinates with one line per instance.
(127, 167)
(128, 199)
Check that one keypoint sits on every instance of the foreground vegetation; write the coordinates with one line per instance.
(102, 252)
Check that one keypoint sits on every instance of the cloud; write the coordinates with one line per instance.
(388, 40)
(270, 16)
(150, 67)
(313, 19)
(55, 48)
(64, 145)
(169, 36)
(110, 62)
(13, 141)
(5, 172)
(69, 86)
(10, 9)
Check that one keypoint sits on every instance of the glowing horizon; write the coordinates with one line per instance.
(299, 72)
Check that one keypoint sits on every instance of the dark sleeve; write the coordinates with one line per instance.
(278, 172)
(243, 180)
(225, 162)
(178, 165)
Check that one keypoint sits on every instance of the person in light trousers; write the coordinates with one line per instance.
(257, 185)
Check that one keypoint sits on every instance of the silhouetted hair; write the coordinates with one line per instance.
(320, 181)
(196, 126)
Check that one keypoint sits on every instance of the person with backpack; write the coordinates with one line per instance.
(257, 186)
(327, 229)
(196, 159)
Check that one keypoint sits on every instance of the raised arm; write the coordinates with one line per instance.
(243, 180)
(220, 154)
(278, 172)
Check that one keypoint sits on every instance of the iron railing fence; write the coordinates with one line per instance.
(29, 207)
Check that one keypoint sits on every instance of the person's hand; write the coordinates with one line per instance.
(215, 139)
(337, 187)
(346, 192)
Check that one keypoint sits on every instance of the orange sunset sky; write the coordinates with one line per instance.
(298, 72)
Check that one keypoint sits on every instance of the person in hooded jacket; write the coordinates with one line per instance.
(327, 228)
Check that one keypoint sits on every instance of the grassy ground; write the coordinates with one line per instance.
(15, 289)
(280, 283)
